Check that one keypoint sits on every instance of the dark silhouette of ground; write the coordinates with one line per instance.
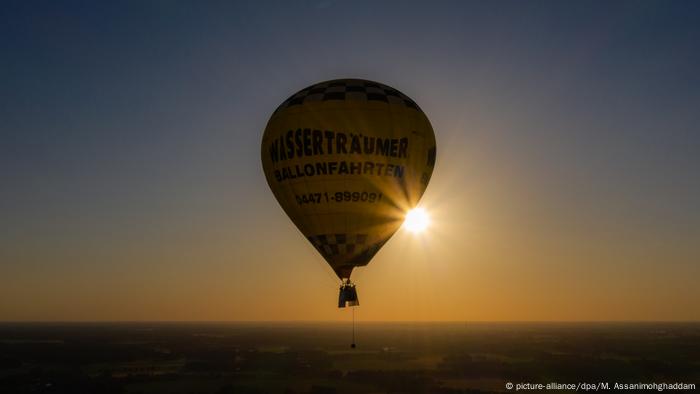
(316, 358)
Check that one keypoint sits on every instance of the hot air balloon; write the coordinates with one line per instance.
(346, 159)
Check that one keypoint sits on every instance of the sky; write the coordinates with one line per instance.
(566, 185)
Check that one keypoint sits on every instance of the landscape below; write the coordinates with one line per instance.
(317, 358)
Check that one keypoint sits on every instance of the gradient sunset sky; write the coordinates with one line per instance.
(567, 184)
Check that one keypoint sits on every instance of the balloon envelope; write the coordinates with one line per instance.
(346, 159)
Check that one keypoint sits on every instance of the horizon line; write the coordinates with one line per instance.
(337, 321)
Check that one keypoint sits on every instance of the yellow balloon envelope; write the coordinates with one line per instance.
(346, 159)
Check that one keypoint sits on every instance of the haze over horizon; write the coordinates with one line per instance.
(566, 186)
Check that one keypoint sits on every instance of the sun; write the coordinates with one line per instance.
(416, 220)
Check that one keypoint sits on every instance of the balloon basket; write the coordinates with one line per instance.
(348, 295)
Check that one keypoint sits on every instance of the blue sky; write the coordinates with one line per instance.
(130, 148)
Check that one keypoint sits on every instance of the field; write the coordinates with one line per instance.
(316, 357)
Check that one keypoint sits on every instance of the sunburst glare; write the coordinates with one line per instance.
(417, 220)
